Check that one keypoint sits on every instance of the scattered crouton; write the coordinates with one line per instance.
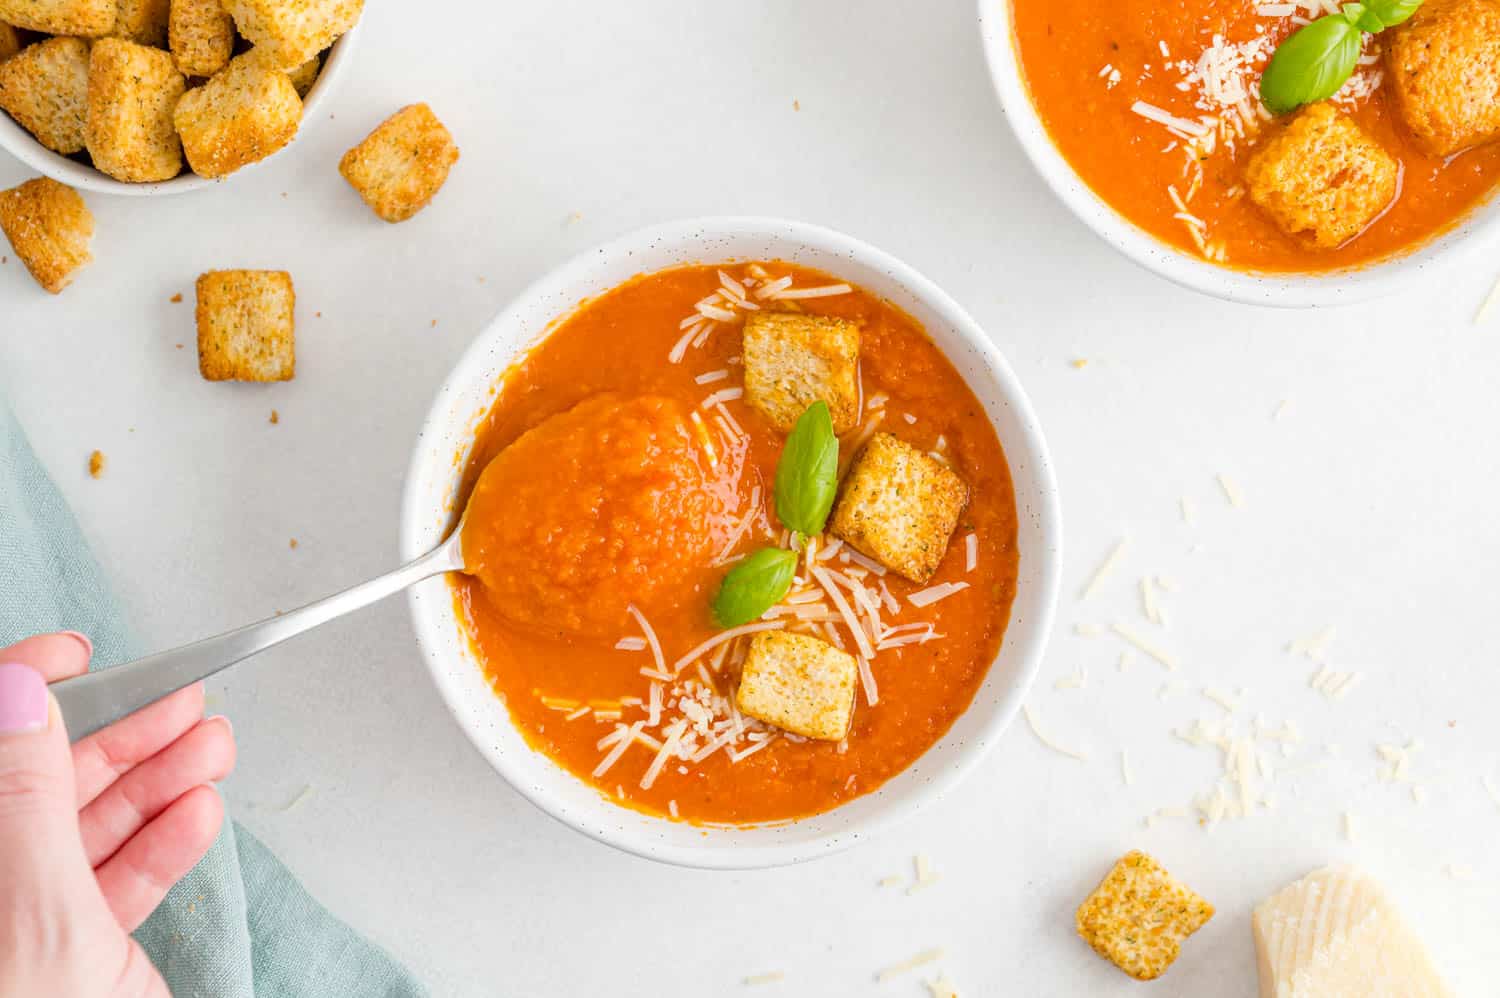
(143, 21)
(899, 506)
(401, 164)
(132, 92)
(290, 32)
(49, 227)
(201, 36)
(1324, 176)
(10, 41)
(246, 330)
(46, 88)
(1138, 917)
(84, 18)
(799, 684)
(1444, 71)
(244, 114)
(792, 361)
(305, 75)
(96, 464)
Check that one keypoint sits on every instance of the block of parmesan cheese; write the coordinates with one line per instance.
(1334, 934)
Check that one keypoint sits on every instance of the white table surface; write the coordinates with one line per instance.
(1370, 505)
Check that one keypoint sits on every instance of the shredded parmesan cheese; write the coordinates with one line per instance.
(921, 959)
(1105, 567)
(1042, 736)
(1164, 657)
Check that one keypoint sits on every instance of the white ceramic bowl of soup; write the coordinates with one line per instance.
(81, 176)
(1478, 232)
(432, 497)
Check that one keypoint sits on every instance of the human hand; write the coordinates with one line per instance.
(92, 837)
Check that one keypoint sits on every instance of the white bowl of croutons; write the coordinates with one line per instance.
(438, 481)
(184, 95)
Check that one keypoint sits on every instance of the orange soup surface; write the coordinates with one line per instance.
(1090, 67)
(611, 489)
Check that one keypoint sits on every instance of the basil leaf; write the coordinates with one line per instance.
(807, 474)
(754, 586)
(1311, 64)
(1377, 15)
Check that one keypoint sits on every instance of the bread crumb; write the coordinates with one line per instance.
(96, 464)
(796, 105)
(1080, 363)
(275, 417)
(175, 299)
(294, 544)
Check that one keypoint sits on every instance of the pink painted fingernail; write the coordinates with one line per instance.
(23, 700)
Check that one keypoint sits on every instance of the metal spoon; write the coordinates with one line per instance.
(92, 701)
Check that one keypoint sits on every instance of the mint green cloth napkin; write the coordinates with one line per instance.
(239, 925)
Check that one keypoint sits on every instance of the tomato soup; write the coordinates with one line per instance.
(1156, 107)
(623, 474)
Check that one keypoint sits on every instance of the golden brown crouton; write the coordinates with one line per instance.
(244, 114)
(1322, 175)
(201, 36)
(85, 18)
(899, 506)
(10, 41)
(792, 361)
(132, 91)
(402, 163)
(290, 32)
(142, 21)
(45, 88)
(799, 684)
(49, 227)
(1444, 67)
(305, 75)
(96, 464)
(246, 329)
(1138, 917)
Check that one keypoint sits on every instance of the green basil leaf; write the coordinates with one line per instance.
(754, 586)
(1381, 14)
(807, 474)
(1311, 64)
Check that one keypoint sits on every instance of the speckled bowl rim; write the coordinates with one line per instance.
(431, 496)
(1477, 232)
(19, 143)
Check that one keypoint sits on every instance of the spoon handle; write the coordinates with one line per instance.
(92, 701)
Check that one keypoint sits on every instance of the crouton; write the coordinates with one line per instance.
(799, 684)
(132, 92)
(792, 361)
(84, 18)
(142, 21)
(1138, 917)
(46, 88)
(305, 75)
(10, 41)
(290, 32)
(244, 114)
(899, 506)
(201, 36)
(401, 164)
(96, 464)
(1443, 67)
(246, 329)
(49, 227)
(1322, 175)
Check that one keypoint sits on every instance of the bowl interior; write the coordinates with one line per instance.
(1479, 231)
(19, 143)
(432, 494)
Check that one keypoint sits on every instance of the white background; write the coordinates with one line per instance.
(1373, 504)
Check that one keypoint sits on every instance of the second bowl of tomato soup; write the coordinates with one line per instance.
(761, 542)
(1281, 153)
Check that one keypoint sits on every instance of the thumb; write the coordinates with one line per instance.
(37, 809)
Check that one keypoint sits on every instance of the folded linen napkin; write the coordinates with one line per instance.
(239, 925)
